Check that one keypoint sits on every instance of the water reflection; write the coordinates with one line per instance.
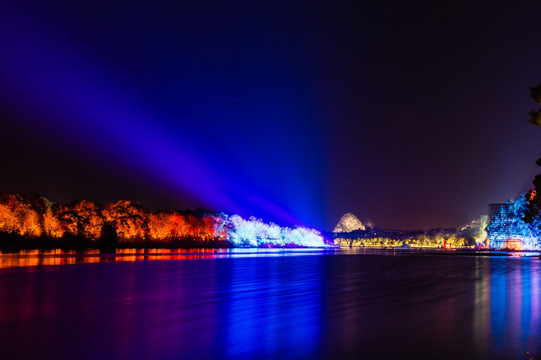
(515, 303)
(25, 258)
(265, 312)
(270, 304)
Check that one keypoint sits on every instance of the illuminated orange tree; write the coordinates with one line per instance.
(129, 218)
(8, 221)
(166, 226)
(90, 218)
(51, 224)
(70, 222)
(21, 213)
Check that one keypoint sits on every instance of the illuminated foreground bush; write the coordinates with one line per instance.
(37, 220)
(254, 232)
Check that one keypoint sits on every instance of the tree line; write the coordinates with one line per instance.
(31, 219)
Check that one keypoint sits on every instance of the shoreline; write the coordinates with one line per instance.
(184, 247)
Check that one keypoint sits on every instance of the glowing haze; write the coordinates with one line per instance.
(88, 110)
(412, 115)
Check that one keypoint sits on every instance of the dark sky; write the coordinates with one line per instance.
(408, 114)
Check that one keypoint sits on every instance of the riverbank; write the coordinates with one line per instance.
(15, 242)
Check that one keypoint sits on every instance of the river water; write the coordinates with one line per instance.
(271, 304)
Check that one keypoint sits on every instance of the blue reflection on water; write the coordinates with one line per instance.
(514, 304)
(498, 304)
(526, 297)
(267, 314)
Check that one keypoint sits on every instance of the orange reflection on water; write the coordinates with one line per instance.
(27, 258)
(7, 261)
(17, 262)
(62, 257)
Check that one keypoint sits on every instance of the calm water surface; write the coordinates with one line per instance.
(269, 304)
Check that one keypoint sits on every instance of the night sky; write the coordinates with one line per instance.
(407, 114)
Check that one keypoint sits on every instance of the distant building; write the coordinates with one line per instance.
(494, 209)
(500, 231)
(507, 229)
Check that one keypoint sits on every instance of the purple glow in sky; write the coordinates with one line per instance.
(407, 115)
